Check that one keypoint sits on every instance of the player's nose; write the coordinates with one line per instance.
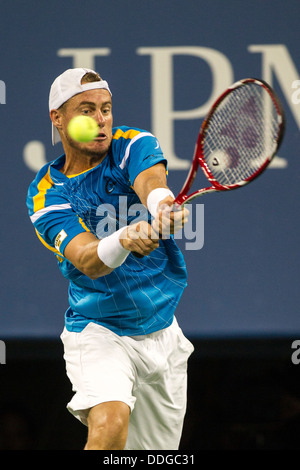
(99, 118)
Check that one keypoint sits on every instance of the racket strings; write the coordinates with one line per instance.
(241, 134)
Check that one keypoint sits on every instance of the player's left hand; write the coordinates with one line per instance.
(169, 221)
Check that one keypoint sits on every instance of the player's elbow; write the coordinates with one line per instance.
(90, 273)
(94, 272)
(87, 261)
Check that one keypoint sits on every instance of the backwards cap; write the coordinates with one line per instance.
(67, 85)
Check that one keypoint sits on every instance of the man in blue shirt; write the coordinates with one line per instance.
(125, 354)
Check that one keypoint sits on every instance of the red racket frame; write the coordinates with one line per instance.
(198, 157)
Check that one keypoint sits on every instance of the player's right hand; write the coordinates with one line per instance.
(168, 220)
(140, 238)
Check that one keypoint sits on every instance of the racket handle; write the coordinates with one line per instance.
(176, 207)
(137, 255)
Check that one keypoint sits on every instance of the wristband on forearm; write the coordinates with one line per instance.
(154, 198)
(110, 251)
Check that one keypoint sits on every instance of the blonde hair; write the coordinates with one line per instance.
(91, 77)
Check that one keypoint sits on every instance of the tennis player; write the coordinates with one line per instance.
(125, 354)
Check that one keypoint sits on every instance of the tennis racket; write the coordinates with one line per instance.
(237, 140)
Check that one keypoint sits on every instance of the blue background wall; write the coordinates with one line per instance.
(245, 279)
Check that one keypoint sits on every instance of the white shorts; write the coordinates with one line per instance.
(148, 373)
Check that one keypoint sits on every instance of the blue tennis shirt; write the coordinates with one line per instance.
(141, 295)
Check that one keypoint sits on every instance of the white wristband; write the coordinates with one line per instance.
(110, 251)
(154, 198)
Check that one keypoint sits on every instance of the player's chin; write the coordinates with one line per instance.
(98, 145)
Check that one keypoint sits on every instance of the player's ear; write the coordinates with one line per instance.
(56, 117)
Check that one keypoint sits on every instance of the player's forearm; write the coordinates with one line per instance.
(149, 186)
(89, 263)
(96, 258)
(148, 180)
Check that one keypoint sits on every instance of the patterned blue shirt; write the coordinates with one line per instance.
(138, 297)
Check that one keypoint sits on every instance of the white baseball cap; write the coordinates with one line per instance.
(65, 86)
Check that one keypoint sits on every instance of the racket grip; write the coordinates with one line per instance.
(176, 207)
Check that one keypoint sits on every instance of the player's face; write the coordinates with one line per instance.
(96, 104)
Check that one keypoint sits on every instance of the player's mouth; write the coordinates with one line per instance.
(101, 136)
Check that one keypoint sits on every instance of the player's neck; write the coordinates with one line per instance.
(76, 163)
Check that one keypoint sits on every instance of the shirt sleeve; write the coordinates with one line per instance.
(54, 220)
(142, 152)
(57, 227)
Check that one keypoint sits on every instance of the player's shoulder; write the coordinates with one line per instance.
(40, 175)
(132, 146)
(44, 173)
(42, 188)
(125, 134)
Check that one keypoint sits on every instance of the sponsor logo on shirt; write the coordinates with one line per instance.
(59, 239)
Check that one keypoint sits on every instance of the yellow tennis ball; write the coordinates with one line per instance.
(83, 128)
